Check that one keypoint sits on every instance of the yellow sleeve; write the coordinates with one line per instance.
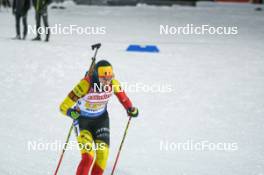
(121, 95)
(116, 86)
(78, 91)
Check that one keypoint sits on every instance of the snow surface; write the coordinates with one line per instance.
(217, 83)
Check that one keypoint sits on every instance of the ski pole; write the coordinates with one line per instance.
(96, 47)
(121, 145)
(64, 149)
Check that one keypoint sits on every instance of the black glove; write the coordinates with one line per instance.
(132, 112)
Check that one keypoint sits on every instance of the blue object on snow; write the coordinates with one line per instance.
(138, 48)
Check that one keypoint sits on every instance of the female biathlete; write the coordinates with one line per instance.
(87, 103)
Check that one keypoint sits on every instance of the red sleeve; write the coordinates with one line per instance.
(124, 100)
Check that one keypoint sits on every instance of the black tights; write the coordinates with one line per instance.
(44, 16)
(24, 21)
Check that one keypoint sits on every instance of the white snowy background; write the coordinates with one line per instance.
(217, 81)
